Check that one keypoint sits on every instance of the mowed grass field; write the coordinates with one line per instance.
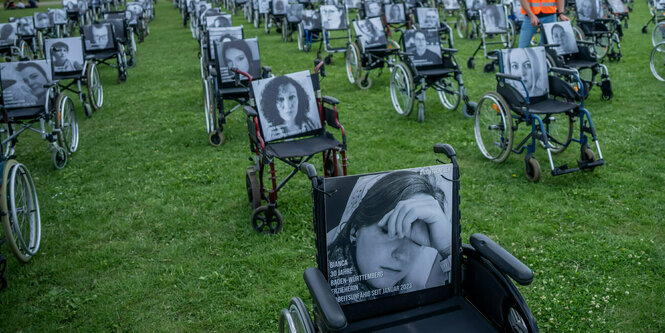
(147, 228)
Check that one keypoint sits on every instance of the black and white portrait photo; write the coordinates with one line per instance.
(355, 4)
(388, 233)
(423, 46)
(200, 8)
(264, 6)
(218, 21)
(589, 10)
(530, 65)
(311, 20)
(58, 16)
(286, 105)
(294, 12)
(395, 13)
(82, 6)
(70, 6)
(428, 18)
(118, 26)
(24, 83)
(279, 7)
(131, 18)
(659, 4)
(42, 20)
(450, 4)
(372, 8)
(617, 6)
(475, 5)
(65, 53)
(370, 32)
(561, 33)
(222, 35)
(332, 17)
(494, 19)
(98, 37)
(8, 33)
(136, 10)
(242, 54)
(26, 26)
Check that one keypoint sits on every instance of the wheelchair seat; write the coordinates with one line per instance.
(552, 106)
(24, 113)
(304, 147)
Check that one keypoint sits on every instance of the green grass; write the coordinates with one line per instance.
(147, 228)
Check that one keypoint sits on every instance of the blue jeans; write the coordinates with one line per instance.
(527, 31)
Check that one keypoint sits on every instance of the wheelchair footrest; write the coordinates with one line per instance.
(562, 170)
(586, 165)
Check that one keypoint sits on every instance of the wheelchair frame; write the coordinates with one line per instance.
(105, 56)
(507, 41)
(605, 35)
(127, 36)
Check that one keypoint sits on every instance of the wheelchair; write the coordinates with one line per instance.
(224, 84)
(28, 43)
(21, 221)
(545, 104)
(288, 123)
(44, 28)
(32, 101)
(428, 281)
(603, 32)
(291, 21)
(396, 17)
(310, 30)
(452, 9)
(68, 63)
(12, 48)
(102, 46)
(276, 16)
(212, 18)
(657, 10)
(657, 61)
(565, 51)
(620, 11)
(493, 24)
(470, 26)
(139, 20)
(370, 50)
(261, 11)
(215, 35)
(428, 18)
(425, 64)
(78, 15)
(335, 31)
(123, 32)
(59, 20)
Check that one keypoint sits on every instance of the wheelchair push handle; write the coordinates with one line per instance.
(444, 148)
(508, 76)
(332, 315)
(237, 71)
(309, 170)
(319, 67)
(502, 259)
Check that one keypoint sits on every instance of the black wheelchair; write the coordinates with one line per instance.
(68, 62)
(29, 47)
(546, 104)
(563, 50)
(605, 33)
(31, 100)
(657, 11)
(12, 48)
(335, 31)
(429, 18)
(425, 64)
(370, 50)
(78, 15)
(427, 281)
(123, 32)
(288, 124)
(495, 31)
(229, 81)
(139, 20)
(102, 46)
(469, 27)
(58, 18)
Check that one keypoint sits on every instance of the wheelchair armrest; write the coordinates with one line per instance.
(212, 70)
(51, 84)
(330, 100)
(563, 71)
(552, 45)
(309, 170)
(448, 50)
(585, 42)
(502, 259)
(508, 76)
(249, 111)
(266, 69)
(332, 315)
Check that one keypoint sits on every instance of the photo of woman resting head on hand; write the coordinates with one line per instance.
(393, 237)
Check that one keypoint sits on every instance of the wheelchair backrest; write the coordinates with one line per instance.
(115, 15)
(279, 7)
(264, 6)
(423, 46)
(26, 26)
(427, 18)
(389, 240)
(450, 4)
(372, 8)
(200, 8)
(217, 36)
(8, 33)
(75, 6)
(218, 21)
(353, 4)
(294, 12)
(589, 10)
(395, 13)
(561, 33)
(42, 20)
(370, 32)
(311, 20)
(659, 4)
(58, 16)
(333, 17)
(65, 55)
(24, 83)
(286, 106)
(242, 54)
(617, 6)
(99, 37)
(530, 64)
(119, 28)
(475, 5)
(516, 14)
(494, 19)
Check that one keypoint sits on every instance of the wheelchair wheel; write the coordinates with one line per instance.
(365, 82)
(516, 322)
(95, 88)
(532, 169)
(602, 45)
(353, 65)
(253, 188)
(8, 147)
(493, 127)
(266, 223)
(559, 129)
(332, 167)
(285, 30)
(216, 138)
(657, 62)
(402, 89)
(587, 155)
(511, 33)
(658, 33)
(65, 124)
(579, 34)
(22, 222)
(209, 107)
(461, 25)
(296, 318)
(301, 37)
(449, 92)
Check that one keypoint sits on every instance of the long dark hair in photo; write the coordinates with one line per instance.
(241, 45)
(269, 101)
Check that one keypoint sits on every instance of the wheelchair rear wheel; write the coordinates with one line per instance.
(353, 65)
(301, 37)
(332, 167)
(461, 25)
(402, 89)
(602, 45)
(253, 188)
(22, 223)
(449, 91)
(95, 88)
(559, 129)
(7, 147)
(265, 222)
(209, 107)
(658, 33)
(493, 128)
(66, 125)
(657, 62)
(296, 319)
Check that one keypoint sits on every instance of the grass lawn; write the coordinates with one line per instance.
(147, 228)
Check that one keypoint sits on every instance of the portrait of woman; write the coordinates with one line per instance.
(332, 17)
(279, 7)
(529, 64)
(311, 19)
(24, 83)
(7, 33)
(42, 20)
(561, 33)
(372, 8)
(294, 12)
(58, 16)
(285, 107)
(239, 54)
(395, 13)
(394, 235)
(589, 10)
(494, 18)
(370, 32)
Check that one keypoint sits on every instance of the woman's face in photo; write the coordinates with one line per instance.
(374, 8)
(43, 20)
(332, 16)
(559, 37)
(287, 102)
(34, 79)
(59, 55)
(394, 12)
(521, 66)
(236, 58)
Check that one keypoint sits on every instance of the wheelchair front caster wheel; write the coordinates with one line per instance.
(488, 68)
(253, 189)
(328, 59)
(471, 64)
(364, 83)
(587, 155)
(644, 29)
(59, 158)
(266, 222)
(122, 77)
(131, 63)
(606, 90)
(469, 109)
(216, 138)
(307, 47)
(88, 110)
(421, 112)
(532, 170)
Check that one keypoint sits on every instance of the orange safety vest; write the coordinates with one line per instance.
(541, 6)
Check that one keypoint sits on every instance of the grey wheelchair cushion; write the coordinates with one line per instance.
(551, 106)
